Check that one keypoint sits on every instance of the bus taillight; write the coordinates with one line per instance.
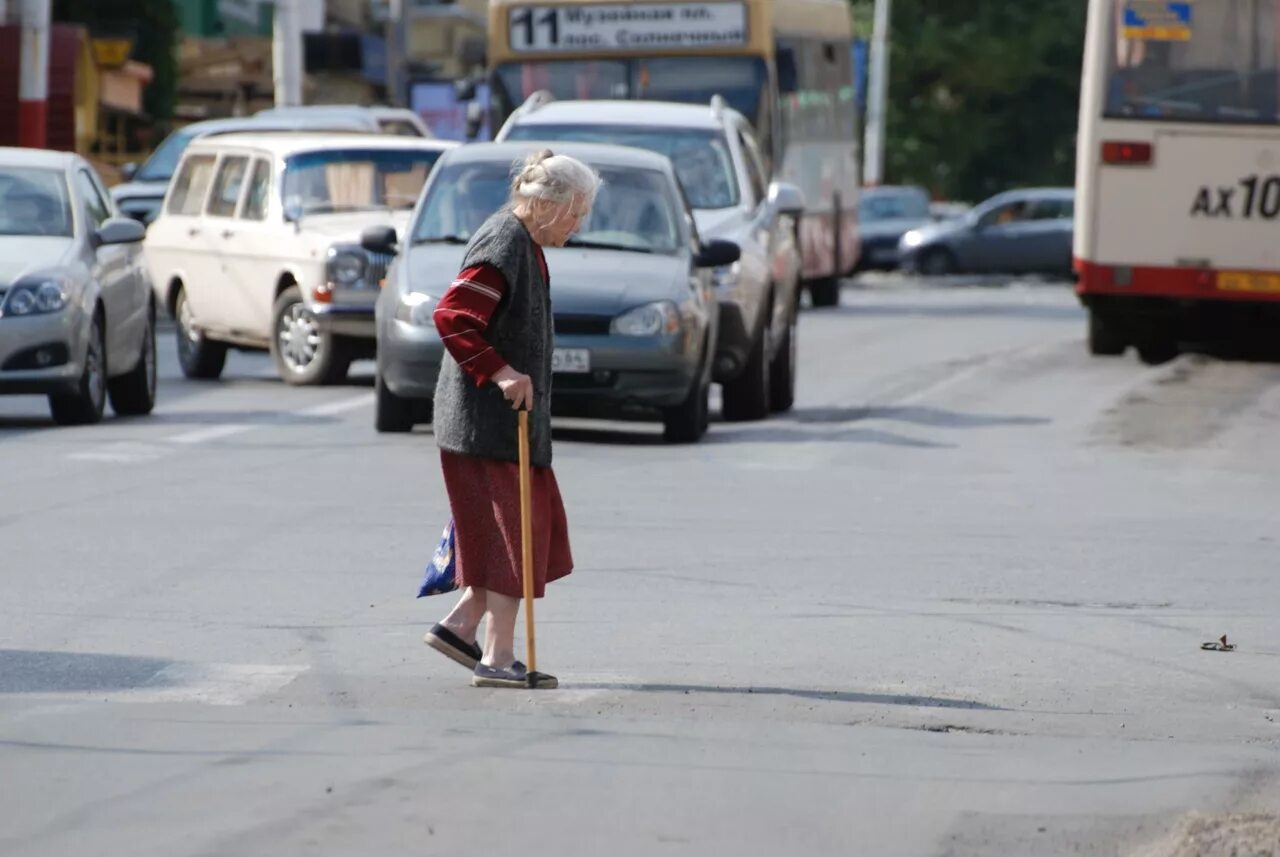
(1126, 154)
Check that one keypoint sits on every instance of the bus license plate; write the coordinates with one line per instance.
(574, 361)
(1241, 281)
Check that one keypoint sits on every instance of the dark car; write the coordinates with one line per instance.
(1018, 232)
(885, 214)
(635, 312)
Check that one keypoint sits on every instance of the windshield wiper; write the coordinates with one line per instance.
(441, 239)
(606, 245)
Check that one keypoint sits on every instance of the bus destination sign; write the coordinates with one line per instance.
(628, 26)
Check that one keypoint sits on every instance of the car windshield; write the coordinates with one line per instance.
(1210, 61)
(701, 158)
(897, 204)
(635, 209)
(164, 160)
(355, 179)
(34, 201)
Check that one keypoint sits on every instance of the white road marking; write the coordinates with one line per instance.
(127, 452)
(211, 433)
(212, 684)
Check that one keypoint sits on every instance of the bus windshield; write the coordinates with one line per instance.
(1216, 64)
(742, 81)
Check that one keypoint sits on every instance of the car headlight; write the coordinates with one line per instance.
(36, 297)
(725, 276)
(648, 320)
(912, 239)
(416, 308)
(346, 268)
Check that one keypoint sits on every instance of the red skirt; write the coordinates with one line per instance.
(484, 495)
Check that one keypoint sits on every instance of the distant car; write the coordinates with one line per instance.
(77, 319)
(390, 120)
(885, 214)
(258, 246)
(719, 164)
(1021, 231)
(144, 187)
(635, 312)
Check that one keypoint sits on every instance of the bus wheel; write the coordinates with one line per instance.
(1106, 338)
(1157, 348)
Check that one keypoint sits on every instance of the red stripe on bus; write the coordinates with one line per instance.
(1191, 283)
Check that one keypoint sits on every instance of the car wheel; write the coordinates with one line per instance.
(782, 371)
(86, 404)
(304, 354)
(747, 396)
(688, 421)
(936, 263)
(1106, 337)
(200, 358)
(392, 413)
(825, 292)
(134, 394)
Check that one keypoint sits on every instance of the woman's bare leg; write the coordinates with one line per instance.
(464, 619)
(499, 636)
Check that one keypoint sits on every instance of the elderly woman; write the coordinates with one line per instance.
(495, 321)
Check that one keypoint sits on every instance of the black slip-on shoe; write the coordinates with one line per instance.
(515, 676)
(452, 646)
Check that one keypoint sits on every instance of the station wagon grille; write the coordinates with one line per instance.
(588, 325)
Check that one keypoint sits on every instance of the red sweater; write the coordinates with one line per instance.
(463, 315)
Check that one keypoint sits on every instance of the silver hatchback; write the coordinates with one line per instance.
(77, 321)
(635, 314)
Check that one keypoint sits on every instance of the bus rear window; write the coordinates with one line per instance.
(1217, 65)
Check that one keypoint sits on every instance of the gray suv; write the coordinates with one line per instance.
(720, 168)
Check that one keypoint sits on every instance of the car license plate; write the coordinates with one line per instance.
(1241, 281)
(571, 360)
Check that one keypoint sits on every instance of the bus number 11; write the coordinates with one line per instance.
(549, 22)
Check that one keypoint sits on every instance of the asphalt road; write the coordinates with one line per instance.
(952, 605)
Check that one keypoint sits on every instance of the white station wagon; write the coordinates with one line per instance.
(257, 246)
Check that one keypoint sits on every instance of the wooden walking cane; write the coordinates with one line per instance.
(526, 548)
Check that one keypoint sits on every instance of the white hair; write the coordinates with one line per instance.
(554, 178)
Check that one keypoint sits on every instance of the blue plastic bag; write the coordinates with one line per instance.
(440, 574)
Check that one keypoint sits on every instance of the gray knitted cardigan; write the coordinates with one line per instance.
(479, 421)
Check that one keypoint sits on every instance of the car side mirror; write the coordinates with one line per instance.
(716, 253)
(786, 198)
(128, 171)
(120, 230)
(380, 239)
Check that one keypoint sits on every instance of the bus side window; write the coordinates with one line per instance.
(788, 74)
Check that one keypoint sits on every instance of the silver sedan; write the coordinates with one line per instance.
(636, 318)
(77, 321)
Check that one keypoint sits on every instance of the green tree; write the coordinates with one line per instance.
(983, 93)
(153, 24)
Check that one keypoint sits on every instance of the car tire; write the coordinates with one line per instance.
(936, 262)
(825, 292)
(201, 358)
(1106, 335)
(134, 393)
(304, 354)
(747, 396)
(392, 413)
(782, 370)
(687, 422)
(86, 404)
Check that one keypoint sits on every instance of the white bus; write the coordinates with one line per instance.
(1177, 233)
